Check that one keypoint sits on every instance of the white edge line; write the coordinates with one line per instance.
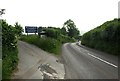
(103, 60)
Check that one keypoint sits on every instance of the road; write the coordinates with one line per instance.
(81, 62)
(35, 63)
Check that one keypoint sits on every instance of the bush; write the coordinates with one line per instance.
(53, 33)
(65, 39)
(9, 48)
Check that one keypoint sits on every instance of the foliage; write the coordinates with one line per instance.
(71, 28)
(55, 37)
(48, 44)
(63, 31)
(0, 69)
(105, 37)
(9, 63)
(18, 29)
(65, 39)
(2, 11)
(10, 36)
(53, 33)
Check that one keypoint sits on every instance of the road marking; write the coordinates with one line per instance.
(103, 60)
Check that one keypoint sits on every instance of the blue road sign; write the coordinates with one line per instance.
(31, 29)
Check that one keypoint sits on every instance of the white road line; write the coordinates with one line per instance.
(103, 60)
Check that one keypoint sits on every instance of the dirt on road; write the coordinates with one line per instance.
(35, 63)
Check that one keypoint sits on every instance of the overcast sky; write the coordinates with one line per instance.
(87, 14)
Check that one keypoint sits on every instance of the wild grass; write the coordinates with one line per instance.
(9, 63)
(48, 44)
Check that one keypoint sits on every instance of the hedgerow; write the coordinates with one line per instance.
(105, 37)
(10, 36)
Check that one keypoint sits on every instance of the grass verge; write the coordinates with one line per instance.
(48, 44)
(9, 63)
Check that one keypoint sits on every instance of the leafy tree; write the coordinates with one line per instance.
(71, 28)
(63, 31)
(2, 11)
(18, 29)
(9, 35)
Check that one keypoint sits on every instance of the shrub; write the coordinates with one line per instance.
(53, 33)
(9, 48)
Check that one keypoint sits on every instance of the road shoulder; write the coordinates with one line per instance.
(34, 63)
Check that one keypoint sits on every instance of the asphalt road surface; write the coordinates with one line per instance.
(35, 63)
(84, 63)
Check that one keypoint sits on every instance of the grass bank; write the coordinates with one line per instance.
(9, 62)
(47, 44)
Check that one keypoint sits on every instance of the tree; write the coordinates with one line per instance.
(63, 31)
(2, 11)
(8, 35)
(18, 29)
(71, 28)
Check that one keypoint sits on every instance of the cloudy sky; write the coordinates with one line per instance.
(87, 14)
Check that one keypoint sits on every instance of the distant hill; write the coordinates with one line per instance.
(105, 37)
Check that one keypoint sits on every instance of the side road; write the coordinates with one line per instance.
(35, 63)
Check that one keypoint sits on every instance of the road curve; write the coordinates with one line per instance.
(84, 63)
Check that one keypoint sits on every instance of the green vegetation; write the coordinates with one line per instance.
(54, 37)
(0, 51)
(51, 42)
(10, 36)
(0, 69)
(105, 37)
(70, 26)
(47, 44)
(9, 63)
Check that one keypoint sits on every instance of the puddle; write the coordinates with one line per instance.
(48, 72)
